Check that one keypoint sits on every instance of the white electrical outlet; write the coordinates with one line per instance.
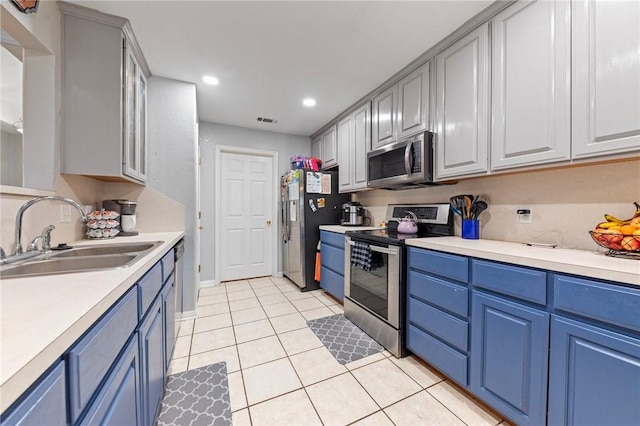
(525, 215)
(65, 214)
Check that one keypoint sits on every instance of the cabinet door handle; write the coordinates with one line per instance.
(268, 222)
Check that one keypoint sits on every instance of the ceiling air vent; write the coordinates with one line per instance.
(267, 120)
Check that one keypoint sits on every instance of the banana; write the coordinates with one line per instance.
(606, 225)
(615, 221)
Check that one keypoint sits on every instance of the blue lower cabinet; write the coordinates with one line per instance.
(332, 283)
(169, 319)
(119, 401)
(594, 376)
(152, 361)
(509, 357)
(332, 263)
(44, 405)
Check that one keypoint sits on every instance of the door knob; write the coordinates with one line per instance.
(200, 228)
(268, 222)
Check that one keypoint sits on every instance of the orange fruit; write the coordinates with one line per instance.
(627, 229)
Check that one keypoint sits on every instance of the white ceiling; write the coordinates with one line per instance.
(269, 55)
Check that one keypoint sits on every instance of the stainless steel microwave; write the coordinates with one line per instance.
(402, 164)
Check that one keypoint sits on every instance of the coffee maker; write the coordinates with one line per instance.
(353, 214)
(127, 218)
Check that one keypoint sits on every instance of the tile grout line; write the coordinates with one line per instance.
(303, 386)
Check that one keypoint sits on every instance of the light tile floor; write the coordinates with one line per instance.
(281, 374)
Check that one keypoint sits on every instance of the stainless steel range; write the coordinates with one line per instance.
(375, 276)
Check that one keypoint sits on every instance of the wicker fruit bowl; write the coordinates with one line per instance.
(616, 241)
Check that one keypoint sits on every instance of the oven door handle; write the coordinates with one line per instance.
(393, 251)
(385, 250)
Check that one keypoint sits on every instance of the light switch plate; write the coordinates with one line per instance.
(65, 214)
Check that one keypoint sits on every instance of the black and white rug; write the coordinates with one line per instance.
(345, 341)
(197, 397)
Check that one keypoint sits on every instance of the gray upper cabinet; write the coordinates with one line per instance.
(413, 102)
(316, 148)
(345, 154)
(354, 141)
(531, 97)
(383, 120)
(606, 77)
(329, 148)
(361, 145)
(135, 123)
(104, 97)
(402, 110)
(462, 106)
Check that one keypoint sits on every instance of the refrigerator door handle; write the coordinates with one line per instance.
(283, 223)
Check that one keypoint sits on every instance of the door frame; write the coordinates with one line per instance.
(273, 208)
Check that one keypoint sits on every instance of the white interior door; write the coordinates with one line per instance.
(246, 225)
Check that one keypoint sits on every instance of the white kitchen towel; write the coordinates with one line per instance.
(361, 255)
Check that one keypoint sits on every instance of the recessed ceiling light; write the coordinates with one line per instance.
(309, 102)
(210, 80)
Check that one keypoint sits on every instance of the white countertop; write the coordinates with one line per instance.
(578, 262)
(342, 229)
(43, 316)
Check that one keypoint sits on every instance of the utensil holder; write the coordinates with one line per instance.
(471, 229)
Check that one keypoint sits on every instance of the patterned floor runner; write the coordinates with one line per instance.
(345, 341)
(197, 397)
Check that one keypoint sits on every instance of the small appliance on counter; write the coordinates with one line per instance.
(353, 214)
(127, 211)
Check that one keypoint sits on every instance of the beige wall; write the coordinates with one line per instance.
(155, 213)
(566, 203)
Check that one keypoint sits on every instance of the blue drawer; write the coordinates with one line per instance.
(448, 328)
(443, 294)
(332, 238)
(515, 281)
(332, 258)
(448, 360)
(168, 263)
(150, 286)
(91, 358)
(444, 265)
(45, 404)
(332, 282)
(616, 305)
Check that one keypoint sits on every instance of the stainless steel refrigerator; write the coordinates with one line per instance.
(308, 199)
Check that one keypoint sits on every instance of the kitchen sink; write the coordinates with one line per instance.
(80, 259)
(101, 250)
(68, 265)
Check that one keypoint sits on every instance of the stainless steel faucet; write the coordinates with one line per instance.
(46, 240)
(17, 248)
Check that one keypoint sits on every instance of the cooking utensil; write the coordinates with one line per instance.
(482, 197)
(453, 201)
(467, 203)
(477, 208)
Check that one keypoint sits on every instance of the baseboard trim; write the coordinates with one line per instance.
(187, 315)
(209, 283)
